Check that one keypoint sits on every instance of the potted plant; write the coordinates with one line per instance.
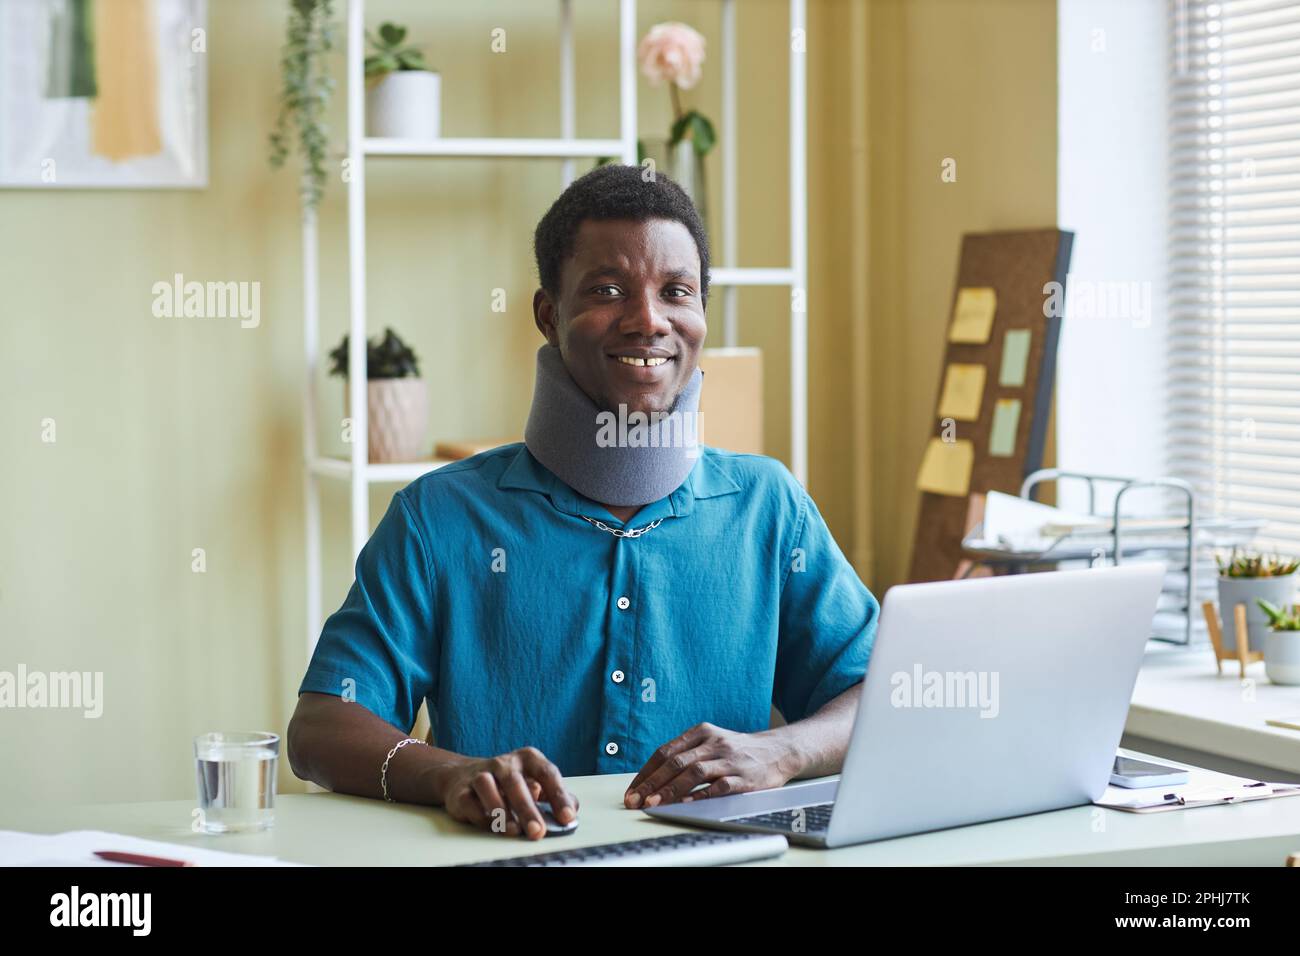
(403, 99)
(674, 53)
(305, 91)
(1282, 644)
(396, 400)
(1248, 578)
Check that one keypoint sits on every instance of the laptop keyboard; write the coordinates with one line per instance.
(811, 819)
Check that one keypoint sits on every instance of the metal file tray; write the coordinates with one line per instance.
(1180, 536)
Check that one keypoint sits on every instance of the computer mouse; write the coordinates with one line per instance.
(553, 826)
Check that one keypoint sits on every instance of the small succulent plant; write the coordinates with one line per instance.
(1247, 565)
(1281, 618)
(390, 55)
(388, 357)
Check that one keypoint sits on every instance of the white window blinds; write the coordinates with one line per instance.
(1234, 259)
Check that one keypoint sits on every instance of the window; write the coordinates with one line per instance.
(1234, 259)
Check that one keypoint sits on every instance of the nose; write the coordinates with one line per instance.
(644, 316)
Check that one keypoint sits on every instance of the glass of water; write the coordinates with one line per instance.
(236, 780)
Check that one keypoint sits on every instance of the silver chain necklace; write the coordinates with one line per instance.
(619, 532)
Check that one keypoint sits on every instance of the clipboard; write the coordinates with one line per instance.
(1204, 788)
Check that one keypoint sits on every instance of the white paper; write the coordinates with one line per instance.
(77, 848)
(1016, 524)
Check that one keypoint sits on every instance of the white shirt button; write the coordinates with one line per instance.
(624, 604)
(617, 677)
(611, 748)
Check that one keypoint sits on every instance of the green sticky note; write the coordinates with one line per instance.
(1006, 422)
(1015, 357)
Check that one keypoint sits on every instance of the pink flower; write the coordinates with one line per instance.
(672, 52)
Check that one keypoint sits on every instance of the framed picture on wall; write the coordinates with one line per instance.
(103, 94)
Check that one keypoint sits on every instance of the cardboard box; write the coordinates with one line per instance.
(731, 400)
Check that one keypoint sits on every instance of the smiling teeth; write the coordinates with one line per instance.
(630, 360)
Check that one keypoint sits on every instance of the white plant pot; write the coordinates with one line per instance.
(405, 104)
(1282, 657)
(398, 410)
(1248, 591)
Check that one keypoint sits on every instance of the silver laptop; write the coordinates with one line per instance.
(984, 699)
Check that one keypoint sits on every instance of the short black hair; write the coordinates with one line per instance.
(607, 192)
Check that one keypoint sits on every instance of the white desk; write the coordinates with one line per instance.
(329, 829)
(1180, 700)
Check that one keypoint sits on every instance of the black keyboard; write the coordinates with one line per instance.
(704, 848)
(811, 819)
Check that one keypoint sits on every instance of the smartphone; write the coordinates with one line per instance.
(1135, 774)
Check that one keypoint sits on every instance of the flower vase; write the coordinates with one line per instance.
(684, 166)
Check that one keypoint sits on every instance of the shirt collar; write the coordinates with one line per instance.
(706, 480)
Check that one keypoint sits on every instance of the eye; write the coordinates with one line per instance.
(678, 292)
(607, 290)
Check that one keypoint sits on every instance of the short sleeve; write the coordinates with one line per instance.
(379, 648)
(828, 622)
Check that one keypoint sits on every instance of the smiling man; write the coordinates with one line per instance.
(574, 606)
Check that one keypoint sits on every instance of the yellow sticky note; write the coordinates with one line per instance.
(946, 467)
(1006, 422)
(963, 392)
(972, 319)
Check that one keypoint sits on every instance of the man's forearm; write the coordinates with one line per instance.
(341, 746)
(818, 744)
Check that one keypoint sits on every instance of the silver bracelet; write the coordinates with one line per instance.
(383, 771)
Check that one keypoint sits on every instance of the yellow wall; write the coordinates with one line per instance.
(974, 81)
(176, 434)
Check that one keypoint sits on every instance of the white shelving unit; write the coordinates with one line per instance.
(356, 470)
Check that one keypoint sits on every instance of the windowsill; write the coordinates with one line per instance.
(1180, 700)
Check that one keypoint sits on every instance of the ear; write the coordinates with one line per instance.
(544, 316)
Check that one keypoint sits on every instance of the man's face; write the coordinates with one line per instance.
(628, 318)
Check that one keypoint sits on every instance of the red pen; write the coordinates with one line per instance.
(139, 859)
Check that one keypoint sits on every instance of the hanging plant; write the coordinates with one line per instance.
(305, 93)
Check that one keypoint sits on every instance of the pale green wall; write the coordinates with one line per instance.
(176, 434)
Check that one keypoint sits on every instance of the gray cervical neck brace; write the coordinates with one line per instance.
(612, 457)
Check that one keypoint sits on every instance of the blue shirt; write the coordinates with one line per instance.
(484, 591)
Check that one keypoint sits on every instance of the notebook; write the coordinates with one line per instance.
(77, 848)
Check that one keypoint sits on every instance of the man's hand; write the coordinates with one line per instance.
(727, 761)
(501, 793)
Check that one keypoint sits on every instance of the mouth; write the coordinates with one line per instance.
(651, 362)
(642, 366)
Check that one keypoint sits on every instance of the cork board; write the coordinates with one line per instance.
(1016, 266)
